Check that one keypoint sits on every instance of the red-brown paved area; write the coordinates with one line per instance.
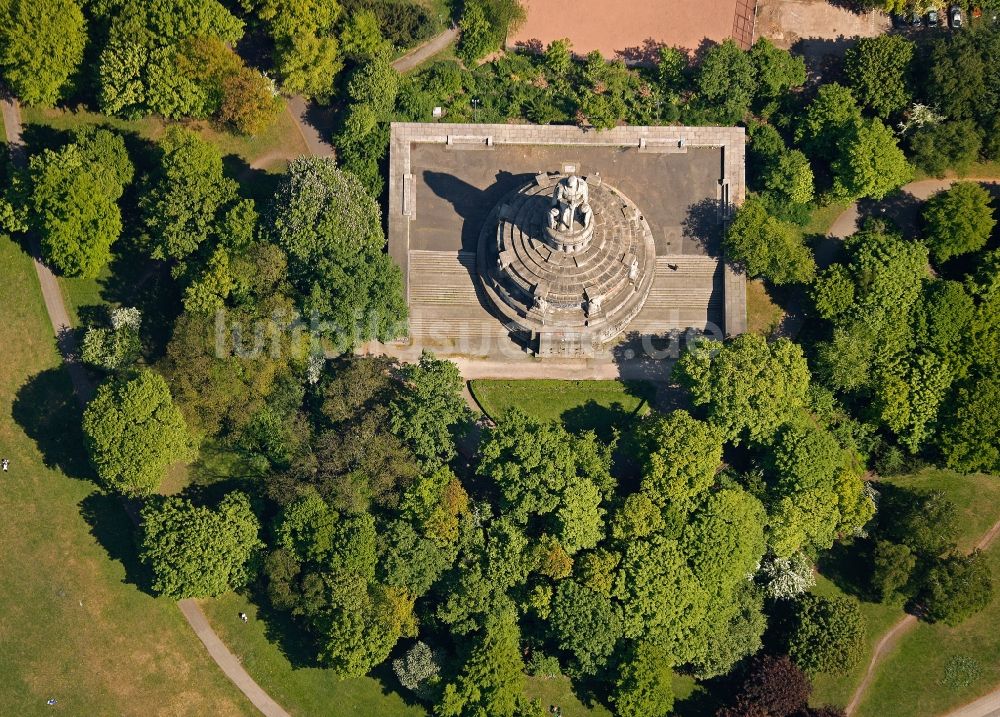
(614, 26)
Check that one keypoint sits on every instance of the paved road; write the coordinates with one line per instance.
(417, 55)
(83, 388)
(229, 663)
(314, 133)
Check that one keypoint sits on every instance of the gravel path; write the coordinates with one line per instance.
(83, 388)
(417, 55)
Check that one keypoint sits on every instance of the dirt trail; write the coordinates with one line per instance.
(418, 55)
(988, 704)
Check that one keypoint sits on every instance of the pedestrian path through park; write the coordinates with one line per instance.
(83, 389)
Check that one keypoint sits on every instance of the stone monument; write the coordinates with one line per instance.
(566, 262)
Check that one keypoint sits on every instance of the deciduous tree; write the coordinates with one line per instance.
(828, 635)
(956, 588)
(430, 408)
(197, 551)
(958, 220)
(870, 164)
(766, 246)
(878, 70)
(748, 386)
(41, 47)
(74, 198)
(188, 194)
(332, 231)
(134, 431)
(726, 81)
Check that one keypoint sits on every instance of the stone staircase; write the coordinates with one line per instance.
(445, 310)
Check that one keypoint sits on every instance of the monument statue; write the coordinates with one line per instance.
(570, 201)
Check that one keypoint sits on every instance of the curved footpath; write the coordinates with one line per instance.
(987, 706)
(847, 223)
(51, 293)
(844, 226)
(419, 54)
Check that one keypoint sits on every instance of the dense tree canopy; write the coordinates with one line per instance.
(74, 198)
(878, 70)
(829, 634)
(41, 47)
(332, 231)
(748, 387)
(958, 220)
(767, 247)
(142, 63)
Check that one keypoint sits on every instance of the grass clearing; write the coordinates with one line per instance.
(837, 689)
(823, 216)
(83, 296)
(580, 405)
(74, 624)
(763, 315)
(559, 691)
(910, 682)
(977, 498)
(269, 151)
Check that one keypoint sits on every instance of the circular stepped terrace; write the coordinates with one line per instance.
(559, 302)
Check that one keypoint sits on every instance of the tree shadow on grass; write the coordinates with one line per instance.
(702, 702)
(138, 281)
(115, 531)
(255, 183)
(46, 409)
(603, 420)
(289, 636)
(900, 212)
(848, 566)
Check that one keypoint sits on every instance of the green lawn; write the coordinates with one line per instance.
(909, 683)
(837, 689)
(559, 691)
(269, 151)
(313, 690)
(597, 405)
(763, 315)
(74, 625)
(300, 690)
(81, 295)
(977, 498)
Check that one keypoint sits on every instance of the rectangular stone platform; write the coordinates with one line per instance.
(439, 198)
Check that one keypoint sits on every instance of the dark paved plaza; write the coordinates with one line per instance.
(455, 189)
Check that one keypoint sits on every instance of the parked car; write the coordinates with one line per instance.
(932, 18)
(915, 20)
(955, 13)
